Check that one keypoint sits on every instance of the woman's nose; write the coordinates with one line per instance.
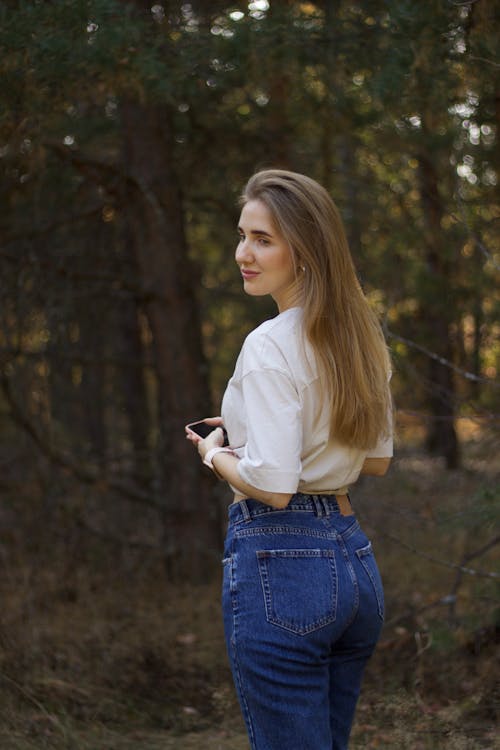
(243, 251)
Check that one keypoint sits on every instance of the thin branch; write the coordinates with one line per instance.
(29, 234)
(95, 168)
(442, 601)
(460, 572)
(107, 536)
(482, 550)
(446, 396)
(92, 168)
(442, 360)
(444, 563)
(450, 417)
(32, 699)
(12, 353)
(485, 60)
(482, 247)
(139, 291)
(152, 549)
(87, 474)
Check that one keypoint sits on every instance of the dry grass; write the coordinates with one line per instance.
(99, 653)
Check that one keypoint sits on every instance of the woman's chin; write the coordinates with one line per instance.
(252, 290)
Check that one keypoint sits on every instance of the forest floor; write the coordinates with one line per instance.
(99, 652)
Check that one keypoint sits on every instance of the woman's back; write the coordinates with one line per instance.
(277, 420)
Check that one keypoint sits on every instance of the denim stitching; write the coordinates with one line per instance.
(348, 533)
(329, 534)
(307, 506)
(246, 710)
(361, 554)
(354, 580)
(271, 616)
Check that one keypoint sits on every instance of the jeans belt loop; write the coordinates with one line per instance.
(326, 508)
(245, 511)
(318, 506)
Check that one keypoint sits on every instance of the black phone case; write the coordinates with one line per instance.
(203, 429)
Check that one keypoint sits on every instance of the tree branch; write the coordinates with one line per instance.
(460, 572)
(30, 233)
(454, 566)
(11, 353)
(442, 360)
(88, 474)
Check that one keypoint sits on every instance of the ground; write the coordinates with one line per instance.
(103, 655)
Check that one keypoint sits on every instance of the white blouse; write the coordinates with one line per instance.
(272, 411)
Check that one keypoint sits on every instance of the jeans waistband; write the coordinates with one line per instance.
(320, 505)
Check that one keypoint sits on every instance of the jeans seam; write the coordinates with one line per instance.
(346, 535)
(370, 575)
(233, 639)
(328, 534)
(354, 581)
(248, 718)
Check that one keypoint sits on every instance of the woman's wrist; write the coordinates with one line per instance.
(207, 458)
(209, 455)
(214, 440)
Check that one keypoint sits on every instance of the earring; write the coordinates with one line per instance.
(302, 268)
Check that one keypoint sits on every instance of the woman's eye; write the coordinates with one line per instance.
(262, 241)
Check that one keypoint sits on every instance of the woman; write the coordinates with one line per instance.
(307, 410)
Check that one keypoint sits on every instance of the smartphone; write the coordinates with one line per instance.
(203, 429)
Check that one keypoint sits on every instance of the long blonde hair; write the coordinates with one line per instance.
(343, 330)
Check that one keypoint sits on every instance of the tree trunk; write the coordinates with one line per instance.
(437, 316)
(157, 227)
(279, 134)
(133, 349)
(92, 387)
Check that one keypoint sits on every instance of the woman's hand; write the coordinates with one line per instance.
(225, 466)
(194, 438)
(214, 440)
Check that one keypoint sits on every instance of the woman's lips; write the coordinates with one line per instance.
(249, 274)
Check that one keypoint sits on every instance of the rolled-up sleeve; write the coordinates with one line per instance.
(271, 459)
(383, 449)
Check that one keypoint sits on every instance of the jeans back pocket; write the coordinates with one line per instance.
(300, 588)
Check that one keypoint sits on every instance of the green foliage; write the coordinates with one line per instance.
(390, 105)
(355, 97)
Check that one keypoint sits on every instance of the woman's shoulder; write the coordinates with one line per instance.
(278, 329)
(277, 343)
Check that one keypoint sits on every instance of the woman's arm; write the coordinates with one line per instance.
(225, 465)
(377, 467)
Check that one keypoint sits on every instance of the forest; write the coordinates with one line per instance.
(127, 132)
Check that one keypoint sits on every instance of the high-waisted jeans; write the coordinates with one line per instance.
(303, 608)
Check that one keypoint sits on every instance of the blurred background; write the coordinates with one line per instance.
(127, 132)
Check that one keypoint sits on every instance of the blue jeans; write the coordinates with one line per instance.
(303, 608)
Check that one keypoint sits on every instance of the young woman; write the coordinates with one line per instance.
(307, 411)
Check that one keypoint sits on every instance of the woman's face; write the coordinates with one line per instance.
(264, 256)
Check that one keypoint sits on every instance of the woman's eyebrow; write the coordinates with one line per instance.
(259, 232)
